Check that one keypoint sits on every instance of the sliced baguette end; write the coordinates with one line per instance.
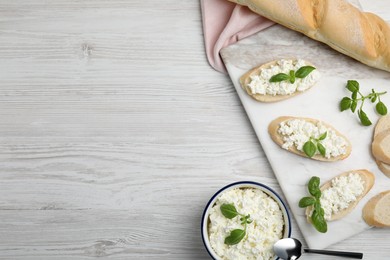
(376, 212)
(381, 126)
(380, 147)
(384, 167)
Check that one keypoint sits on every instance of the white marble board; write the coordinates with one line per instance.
(320, 102)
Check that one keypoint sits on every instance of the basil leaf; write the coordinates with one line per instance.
(292, 77)
(354, 95)
(317, 207)
(317, 194)
(306, 201)
(364, 118)
(309, 148)
(319, 221)
(373, 99)
(353, 85)
(323, 136)
(314, 185)
(235, 237)
(345, 103)
(229, 211)
(322, 211)
(353, 106)
(248, 219)
(321, 149)
(279, 77)
(304, 71)
(381, 108)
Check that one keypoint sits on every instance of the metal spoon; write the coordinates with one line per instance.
(291, 249)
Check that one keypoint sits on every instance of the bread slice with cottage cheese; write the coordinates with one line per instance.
(338, 147)
(256, 82)
(376, 212)
(355, 184)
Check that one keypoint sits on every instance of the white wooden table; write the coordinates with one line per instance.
(115, 132)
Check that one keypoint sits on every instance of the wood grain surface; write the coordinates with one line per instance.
(115, 132)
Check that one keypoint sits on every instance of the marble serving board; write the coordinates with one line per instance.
(321, 102)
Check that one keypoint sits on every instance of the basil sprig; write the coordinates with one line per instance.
(301, 73)
(318, 213)
(313, 144)
(352, 102)
(236, 235)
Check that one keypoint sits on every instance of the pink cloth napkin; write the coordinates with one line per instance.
(225, 23)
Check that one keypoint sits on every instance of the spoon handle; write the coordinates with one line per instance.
(335, 253)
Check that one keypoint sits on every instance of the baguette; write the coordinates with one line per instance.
(361, 35)
(278, 138)
(376, 212)
(368, 179)
(246, 79)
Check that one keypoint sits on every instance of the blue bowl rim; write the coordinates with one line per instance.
(239, 183)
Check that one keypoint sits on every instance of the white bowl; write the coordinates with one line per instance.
(243, 184)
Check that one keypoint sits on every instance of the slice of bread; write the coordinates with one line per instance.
(376, 212)
(246, 79)
(381, 146)
(278, 138)
(384, 167)
(382, 125)
(368, 179)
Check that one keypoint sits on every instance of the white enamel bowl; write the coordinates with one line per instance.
(243, 184)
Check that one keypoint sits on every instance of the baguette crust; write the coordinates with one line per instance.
(368, 178)
(373, 210)
(361, 35)
(245, 80)
(278, 138)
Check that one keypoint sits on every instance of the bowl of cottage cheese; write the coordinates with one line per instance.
(243, 220)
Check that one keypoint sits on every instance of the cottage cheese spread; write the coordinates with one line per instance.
(343, 191)
(267, 226)
(296, 132)
(260, 84)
